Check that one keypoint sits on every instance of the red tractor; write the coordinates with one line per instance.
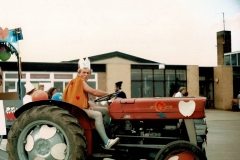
(148, 128)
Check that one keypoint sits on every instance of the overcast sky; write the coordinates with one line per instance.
(166, 31)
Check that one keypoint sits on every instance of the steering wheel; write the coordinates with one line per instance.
(106, 98)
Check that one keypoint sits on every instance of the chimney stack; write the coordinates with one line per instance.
(223, 45)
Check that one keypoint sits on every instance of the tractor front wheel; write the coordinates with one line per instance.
(46, 133)
(180, 150)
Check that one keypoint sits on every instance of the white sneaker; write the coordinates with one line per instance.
(111, 142)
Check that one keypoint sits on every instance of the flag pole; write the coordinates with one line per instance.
(17, 32)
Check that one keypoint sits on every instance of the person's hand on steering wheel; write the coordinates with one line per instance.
(106, 98)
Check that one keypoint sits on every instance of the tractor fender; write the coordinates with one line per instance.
(75, 111)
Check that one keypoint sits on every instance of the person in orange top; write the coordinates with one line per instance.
(76, 92)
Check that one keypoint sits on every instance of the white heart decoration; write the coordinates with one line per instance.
(174, 158)
(187, 108)
(57, 151)
(30, 143)
(47, 132)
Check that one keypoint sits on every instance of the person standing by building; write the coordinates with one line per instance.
(181, 92)
(57, 96)
(41, 87)
(120, 93)
(51, 92)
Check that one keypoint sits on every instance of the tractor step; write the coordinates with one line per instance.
(146, 137)
(153, 146)
(110, 149)
(103, 155)
(3, 144)
(3, 153)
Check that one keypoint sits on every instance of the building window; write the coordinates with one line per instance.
(158, 92)
(170, 74)
(10, 86)
(57, 80)
(136, 89)
(136, 74)
(181, 75)
(66, 83)
(63, 76)
(227, 60)
(39, 76)
(14, 75)
(156, 83)
(238, 59)
(92, 84)
(236, 80)
(92, 76)
(233, 59)
(158, 74)
(206, 85)
(170, 88)
(59, 86)
(174, 79)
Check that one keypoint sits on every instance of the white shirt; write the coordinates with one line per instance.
(178, 94)
(238, 96)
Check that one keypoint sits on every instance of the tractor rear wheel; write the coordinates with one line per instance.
(181, 150)
(46, 133)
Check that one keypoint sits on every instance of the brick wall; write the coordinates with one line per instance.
(193, 80)
(223, 89)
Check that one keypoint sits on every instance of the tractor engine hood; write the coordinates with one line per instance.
(158, 108)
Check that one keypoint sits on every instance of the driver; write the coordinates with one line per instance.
(77, 92)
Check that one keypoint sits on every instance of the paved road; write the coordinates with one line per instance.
(223, 138)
